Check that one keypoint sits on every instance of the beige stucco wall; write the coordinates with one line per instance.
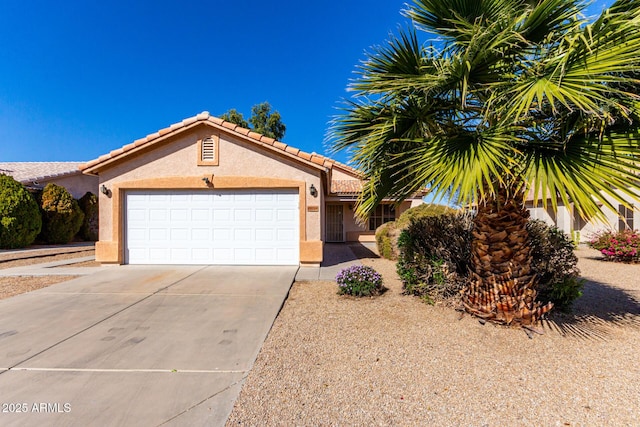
(78, 185)
(174, 164)
(567, 219)
(354, 232)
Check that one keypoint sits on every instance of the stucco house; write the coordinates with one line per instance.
(206, 191)
(35, 175)
(568, 220)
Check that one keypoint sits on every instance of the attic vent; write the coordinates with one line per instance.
(208, 150)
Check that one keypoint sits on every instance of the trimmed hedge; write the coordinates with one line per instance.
(61, 215)
(20, 220)
(89, 205)
(387, 234)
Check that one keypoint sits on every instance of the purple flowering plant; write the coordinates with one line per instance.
(359, 280)
(618, 246)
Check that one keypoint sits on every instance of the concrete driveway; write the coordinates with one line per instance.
(135, 345)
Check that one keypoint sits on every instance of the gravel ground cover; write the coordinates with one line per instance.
(393, 360)
(37, 258)
(14, 285)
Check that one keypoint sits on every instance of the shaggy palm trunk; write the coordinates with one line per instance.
(503, 288)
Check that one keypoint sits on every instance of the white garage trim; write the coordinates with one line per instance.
(241, 227)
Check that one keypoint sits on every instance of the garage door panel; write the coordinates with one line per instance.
(264, 214)
(222, 215)
(200, 234)
(158, 234)
(212, 227)
(286, 215)
(264, 235)
(242, 234)
(200, 214)
(285, 235)
(242, 215)
(158, 198)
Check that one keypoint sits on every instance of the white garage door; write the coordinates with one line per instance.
(248, 227)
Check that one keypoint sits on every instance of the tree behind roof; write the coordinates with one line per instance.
(262, 120)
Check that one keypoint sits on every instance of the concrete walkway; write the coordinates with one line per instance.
(336, 257)
(55, 268)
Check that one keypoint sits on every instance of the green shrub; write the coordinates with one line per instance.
(359, 281)
(622, 246)
(435, 252)
(20, 220)
(61, 215)
(384, 240)
(89, 205)
(555, 264)
(421, 211)
(387, 234)
(435, 256)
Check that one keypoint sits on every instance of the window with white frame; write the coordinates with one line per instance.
(382, 214)
(625, 221)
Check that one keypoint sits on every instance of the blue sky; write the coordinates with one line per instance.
(78, 79)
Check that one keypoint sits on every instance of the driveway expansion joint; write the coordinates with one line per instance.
(101, 321)
(160, 371)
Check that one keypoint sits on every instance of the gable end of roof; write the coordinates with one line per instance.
(311, 159)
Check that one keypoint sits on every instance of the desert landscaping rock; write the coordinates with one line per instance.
(15, 285)
(37, 257)
(393, 360)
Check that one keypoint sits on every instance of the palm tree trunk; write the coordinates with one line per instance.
(503, 288)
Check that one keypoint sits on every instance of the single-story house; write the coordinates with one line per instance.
(567, 219)
(206, 191)
(35, 175)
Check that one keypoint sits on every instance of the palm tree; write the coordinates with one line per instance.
(508, 97)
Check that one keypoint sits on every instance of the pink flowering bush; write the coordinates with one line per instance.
(621, 246)
(359, 281)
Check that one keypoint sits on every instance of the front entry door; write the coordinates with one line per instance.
(335, 229)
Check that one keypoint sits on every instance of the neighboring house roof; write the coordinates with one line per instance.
(28, 172)
(312, 159)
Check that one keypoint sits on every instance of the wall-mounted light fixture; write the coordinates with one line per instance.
(313, 191)
(104, 190)
(206, 180)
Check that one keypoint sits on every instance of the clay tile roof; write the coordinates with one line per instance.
(292, 150)
(216, 120)
(254, 135)
(34, 171)
(346, 186)
(313, 158)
